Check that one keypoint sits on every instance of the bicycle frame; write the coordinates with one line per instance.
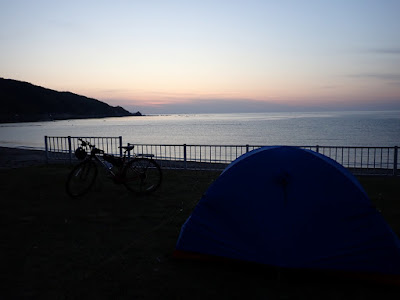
(95, 152)
(103, 164)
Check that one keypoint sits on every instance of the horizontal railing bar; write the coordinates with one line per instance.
(360, 159)
(249, 145)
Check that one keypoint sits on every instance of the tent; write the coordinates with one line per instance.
(291, 208)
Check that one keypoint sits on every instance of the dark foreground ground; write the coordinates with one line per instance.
(113, 245)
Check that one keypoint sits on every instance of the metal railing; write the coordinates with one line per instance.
(360, 160)
(63, 148)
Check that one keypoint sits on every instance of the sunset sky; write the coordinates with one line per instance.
(208, 56)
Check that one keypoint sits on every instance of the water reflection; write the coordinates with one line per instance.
(328, 128)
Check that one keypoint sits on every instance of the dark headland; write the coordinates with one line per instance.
(25, 102)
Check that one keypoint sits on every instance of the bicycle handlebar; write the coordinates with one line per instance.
(92, 147)
(85, 143)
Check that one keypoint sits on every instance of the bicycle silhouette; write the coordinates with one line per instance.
(139, 173)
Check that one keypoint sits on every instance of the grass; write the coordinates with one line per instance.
(111, 244)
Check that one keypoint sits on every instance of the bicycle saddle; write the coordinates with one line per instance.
(128, 148)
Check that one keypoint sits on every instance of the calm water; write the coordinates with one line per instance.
(327, 129)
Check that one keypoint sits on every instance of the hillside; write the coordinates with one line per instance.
(24, 102)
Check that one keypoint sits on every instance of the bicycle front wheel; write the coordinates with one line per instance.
(142, 176)
(81, 178)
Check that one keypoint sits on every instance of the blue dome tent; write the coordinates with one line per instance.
(291, 208)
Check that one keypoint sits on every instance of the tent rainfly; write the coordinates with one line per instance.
(291, 208)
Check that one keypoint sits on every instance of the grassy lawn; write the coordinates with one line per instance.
(112, 244)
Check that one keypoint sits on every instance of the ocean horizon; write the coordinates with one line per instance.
(350, 128)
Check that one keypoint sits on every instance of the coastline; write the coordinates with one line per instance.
(16, 158)
(64, 118)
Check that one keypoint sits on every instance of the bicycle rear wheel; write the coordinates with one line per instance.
(81, 178)
(142, 176)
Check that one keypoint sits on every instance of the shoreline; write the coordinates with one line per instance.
(16, 157)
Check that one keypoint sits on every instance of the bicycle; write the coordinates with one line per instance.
(139, 174)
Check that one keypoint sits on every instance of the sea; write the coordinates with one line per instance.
(367, 128)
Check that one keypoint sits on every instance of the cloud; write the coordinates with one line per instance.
(394, 50)
(379, 76)
(208, 106)
(252, 106)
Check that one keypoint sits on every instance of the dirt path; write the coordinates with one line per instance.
(15, 158)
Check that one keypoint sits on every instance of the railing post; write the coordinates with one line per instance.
(395, 159)
(184, 157)
(46, 148)
(120, 146)
(317, 148)
(247, 148)
(70, 149)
